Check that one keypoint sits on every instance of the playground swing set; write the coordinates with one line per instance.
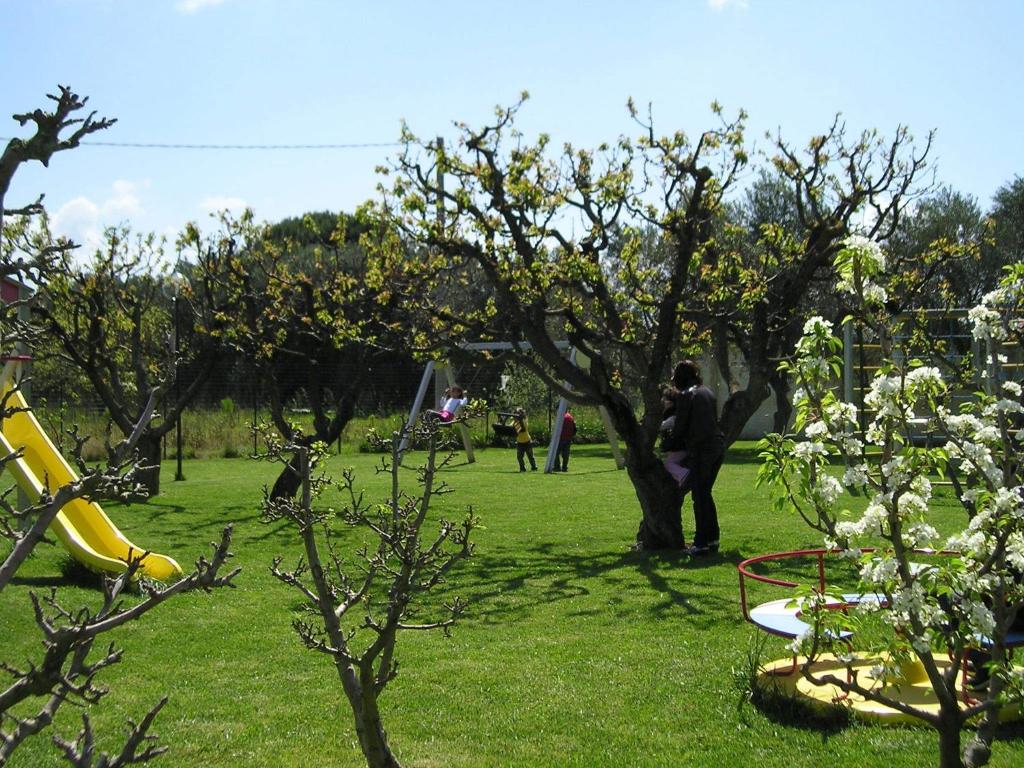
(443, 371)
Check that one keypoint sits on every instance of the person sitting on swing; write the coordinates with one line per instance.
(454, 397)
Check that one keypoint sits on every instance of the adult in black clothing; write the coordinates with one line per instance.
(696, 427)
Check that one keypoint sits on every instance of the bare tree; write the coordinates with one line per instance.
(362, 605)
(46, 141)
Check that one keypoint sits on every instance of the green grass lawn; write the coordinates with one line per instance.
(574, 651)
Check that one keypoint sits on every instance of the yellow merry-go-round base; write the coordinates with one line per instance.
(912, 689)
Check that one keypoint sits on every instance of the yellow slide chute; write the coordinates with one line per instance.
(82, 526)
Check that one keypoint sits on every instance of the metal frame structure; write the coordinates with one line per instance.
(563, 403)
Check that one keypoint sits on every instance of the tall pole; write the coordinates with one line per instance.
(178, 474)
(440, 183)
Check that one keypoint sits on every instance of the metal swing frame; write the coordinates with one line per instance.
(445, 369)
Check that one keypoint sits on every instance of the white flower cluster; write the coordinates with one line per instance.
(1015, 551)
(868, 250)
(856, 476)
(826, 490)
(809, 449)
(981, 618)
(874, 522)
(925, 380)
(840, 414)
(970, 543)
(987, 320)
(1006, 406)
(864, 258)
(978, 456)
(883, 396)
(816, 326)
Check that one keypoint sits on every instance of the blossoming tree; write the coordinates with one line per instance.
(959, 604)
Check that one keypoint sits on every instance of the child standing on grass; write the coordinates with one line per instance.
(524, 443)
(565, 442)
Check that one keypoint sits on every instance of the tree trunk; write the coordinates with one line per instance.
(327, 430)
(783, 406)
(949, 740)
(287, 483)
(149, 455)
(660, 501)
(373, 739)
(741, 405)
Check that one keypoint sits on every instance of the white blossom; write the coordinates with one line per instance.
(1007, 406)
(816, 429)
(1015, 551)
(868, 250)
(817, 325)
(981, 618)
(827, 489)
(895, 471)
(875, 518)
(964, 424)
(924, 379)
(875, 294)
(988, 434)
(848, 529)
(986, 323)
(1008, 501)
(856, 476)
(879, 570)
(809, 449)
(839, 412)
(922, 535)
(851, 445)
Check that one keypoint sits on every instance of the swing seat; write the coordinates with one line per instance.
(504, 430)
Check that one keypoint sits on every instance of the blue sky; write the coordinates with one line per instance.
(244, 72)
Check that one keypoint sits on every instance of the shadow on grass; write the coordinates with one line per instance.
(509, 587)
(792, 712)
(72, 574)
(1010, 732)
(743, 454)
(41, 581)
(150, 510)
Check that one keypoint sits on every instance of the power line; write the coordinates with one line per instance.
(262, 147)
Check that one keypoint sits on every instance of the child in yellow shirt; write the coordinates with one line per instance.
(524, 443)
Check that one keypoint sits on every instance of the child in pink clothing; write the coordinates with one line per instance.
(676, 459)
(453, 399)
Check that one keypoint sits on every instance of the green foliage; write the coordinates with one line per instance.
(943, 244)
(112, 314)
(522, 389)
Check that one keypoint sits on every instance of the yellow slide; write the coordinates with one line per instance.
(82, 526)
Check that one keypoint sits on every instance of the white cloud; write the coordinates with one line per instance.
(194, 6)
(217, 203)
(718, 5)
(83, 220)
